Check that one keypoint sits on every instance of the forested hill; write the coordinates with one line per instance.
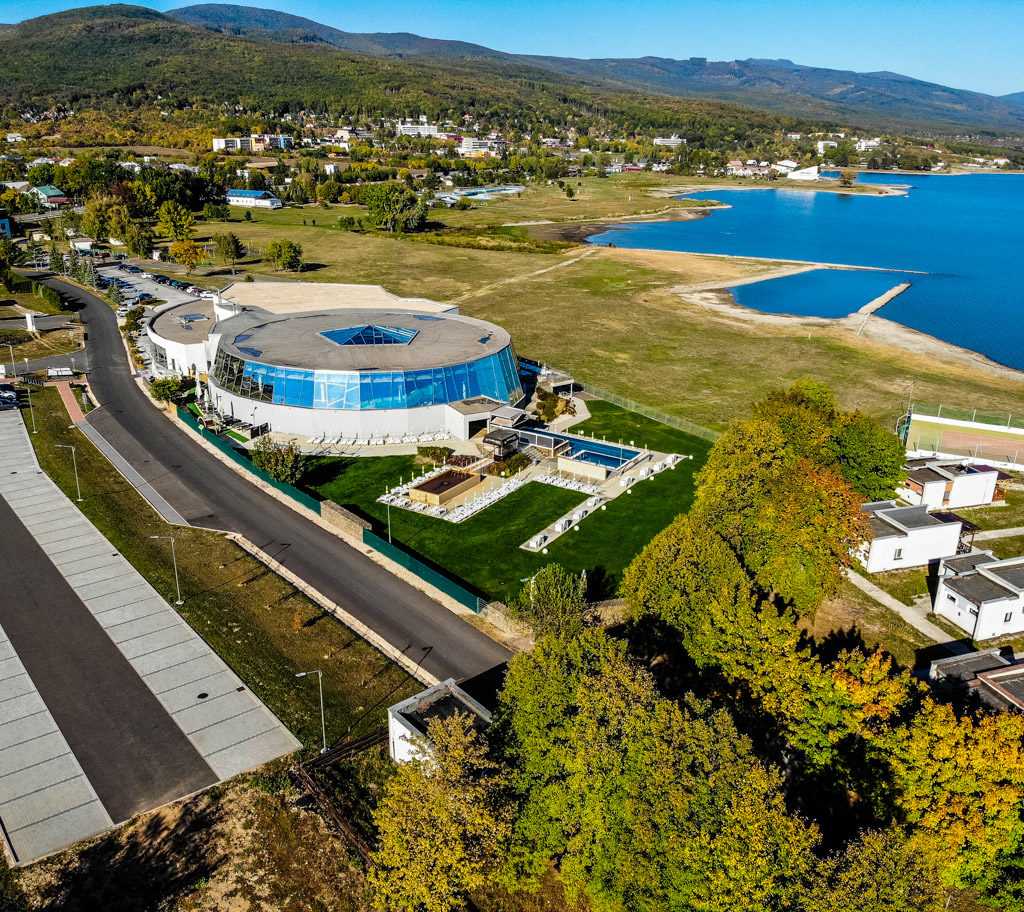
(126, 56)
(887, 100)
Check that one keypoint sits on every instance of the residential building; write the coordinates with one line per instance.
(14, 137)
(417, 128)
(255, 142)
(996, 679)
(181, 166)
(672, 142)
(794, 135)
(949, 484)
(409, 721)
(868, 145)
(908, 536)
(982, 594)
(824, 144)
(255, 199)
(481, 148)
(786, 166)
(19, 186)
(5, 224)
(49, 197)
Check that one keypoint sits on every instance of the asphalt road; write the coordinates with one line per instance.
(131, 750)
(208, 493)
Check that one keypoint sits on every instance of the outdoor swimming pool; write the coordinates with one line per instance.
(609, 455)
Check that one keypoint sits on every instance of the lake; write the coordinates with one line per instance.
(964, 232)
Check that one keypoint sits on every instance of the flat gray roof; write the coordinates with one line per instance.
(1012, 573)
(969, 561)
(171, 324)
(297, 340)
(978, 589)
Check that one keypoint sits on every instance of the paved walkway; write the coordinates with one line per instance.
(70, 402)
(911, 615)
(134, 704)
(998, 533)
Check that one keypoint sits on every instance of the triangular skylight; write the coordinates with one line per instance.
(370, 335)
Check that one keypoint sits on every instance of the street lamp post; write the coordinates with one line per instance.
(14, 370)
(174, 562)
(28, 389)
(323, 722)
(74, 462)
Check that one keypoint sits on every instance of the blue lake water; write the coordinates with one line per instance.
(964, 232)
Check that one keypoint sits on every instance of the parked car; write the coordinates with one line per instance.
(176, 284)
(8, 392)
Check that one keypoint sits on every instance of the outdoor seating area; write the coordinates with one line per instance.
(400, 497)
(324, 443)
(570, 484)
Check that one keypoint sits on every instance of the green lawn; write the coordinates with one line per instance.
(1007, 517)
(261, 626)
(484, 551)
(905, 585)
(1013, 546)
(616, 424)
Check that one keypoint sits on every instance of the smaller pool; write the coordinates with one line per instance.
(609, 455)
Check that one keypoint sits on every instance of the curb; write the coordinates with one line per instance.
(357, 626)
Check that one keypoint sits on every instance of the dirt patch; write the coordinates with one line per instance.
(578, 232)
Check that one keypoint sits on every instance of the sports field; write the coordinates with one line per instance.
(984, 441)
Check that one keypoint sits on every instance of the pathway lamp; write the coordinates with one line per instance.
(174, 562)
(74, 462)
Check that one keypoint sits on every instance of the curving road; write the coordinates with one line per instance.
(208, 493)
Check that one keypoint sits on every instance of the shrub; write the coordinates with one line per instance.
(14, 336)
(438, 454)
(281, 461)
(167, 389)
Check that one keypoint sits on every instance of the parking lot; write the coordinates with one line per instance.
(143, 285)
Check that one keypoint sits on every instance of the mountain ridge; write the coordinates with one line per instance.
(879, 98)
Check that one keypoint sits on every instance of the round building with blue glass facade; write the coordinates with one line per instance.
(358, 372)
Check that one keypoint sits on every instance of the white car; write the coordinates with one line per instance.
(147, 275)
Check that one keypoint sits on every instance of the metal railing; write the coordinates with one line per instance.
(647, 411)
(977, 416)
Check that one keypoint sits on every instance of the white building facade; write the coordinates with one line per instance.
(949, 484)
(906, 536)
(982, 594)
(409, 721)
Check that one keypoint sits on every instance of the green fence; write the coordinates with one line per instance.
(671, 420)
(241, 459)
(996, 419)
(428, 574)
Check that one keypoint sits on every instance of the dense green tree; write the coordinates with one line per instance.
(10, 253)
(643, 804)
(443, 823)
(56, 259)
(114, 294)
(175, 221)
(287, 255)
(553, 601)
(139, 239)
(392, 207)
(869, 456)
(881, 871)
(166, 389)
(229, 248)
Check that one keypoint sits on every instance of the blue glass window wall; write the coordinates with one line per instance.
(496, 376)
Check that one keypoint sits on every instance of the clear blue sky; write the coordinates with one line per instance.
(968, 44)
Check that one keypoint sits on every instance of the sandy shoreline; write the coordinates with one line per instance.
(866, 327)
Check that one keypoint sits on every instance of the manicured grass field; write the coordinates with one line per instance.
(1007, 517)
(484, 551)
(1012, 546)
(262, 627)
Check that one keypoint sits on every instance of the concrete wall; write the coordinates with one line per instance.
(580, 469)
(918, 548)
(402, 739)
(344, 519)
(973, 490)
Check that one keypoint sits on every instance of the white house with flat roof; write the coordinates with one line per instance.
(942, 484)
(982, 594)
(906, 536)
(409, 721)
(255, 199)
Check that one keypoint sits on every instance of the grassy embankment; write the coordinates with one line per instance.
(484, 550)
(262, 627)
(617, 319)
